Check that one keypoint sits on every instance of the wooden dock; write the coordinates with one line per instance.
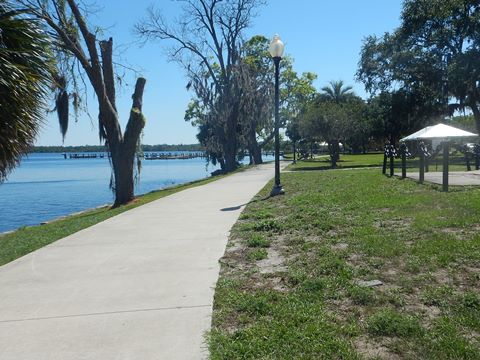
(169, 156)
(151, 155)
(145, 156)
(85, 156)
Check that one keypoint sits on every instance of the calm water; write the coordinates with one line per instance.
(46, 186)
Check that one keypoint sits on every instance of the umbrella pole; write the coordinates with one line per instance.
(446, 150)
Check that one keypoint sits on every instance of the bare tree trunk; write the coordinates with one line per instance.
(257, 155)
(124, 187)
(230, 145)
(334, 150)
(123, 173)
(122, 148)
(221, 161)
(476, 115)
(95, 57)
(254, 149)
(230, 156)
(294, 152)
(255, 152)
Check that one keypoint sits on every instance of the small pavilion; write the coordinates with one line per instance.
(440, 134)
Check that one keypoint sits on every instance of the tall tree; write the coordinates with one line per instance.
(297, 93)
(337, 92)
(435, 53)
(207, 44)
(257, 84)
(76, 43)
(398, 113)
(295, 90)
(293, 133)
(333, 121)
(25, 61)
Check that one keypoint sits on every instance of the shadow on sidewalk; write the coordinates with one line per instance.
(238, 207)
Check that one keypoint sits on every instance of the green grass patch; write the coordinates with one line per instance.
(257, 240)
(257, 254)
(346, 161)
(392, 323)
(331, 232)
(456, 163)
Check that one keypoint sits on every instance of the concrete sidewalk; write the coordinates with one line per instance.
(137, 286)
(455, 178)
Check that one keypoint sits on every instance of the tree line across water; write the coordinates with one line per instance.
(425, 71)
(100, 148)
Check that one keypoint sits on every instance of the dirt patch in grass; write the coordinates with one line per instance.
(373, 349)
(273, 263)
(394, 224)
(427, 313)
(339, 246)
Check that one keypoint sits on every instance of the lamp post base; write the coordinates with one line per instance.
(277, 190)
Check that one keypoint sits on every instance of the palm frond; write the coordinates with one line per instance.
(24, 82)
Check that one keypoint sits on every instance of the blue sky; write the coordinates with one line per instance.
(323, 36)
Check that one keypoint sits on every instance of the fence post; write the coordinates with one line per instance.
(422, 167)
(384, 169)
(403, 152)
(391, 164)
(446, 150)
(467, 158)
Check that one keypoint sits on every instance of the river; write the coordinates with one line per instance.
(46, 186)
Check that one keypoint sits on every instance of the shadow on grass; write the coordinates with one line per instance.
(327, 167)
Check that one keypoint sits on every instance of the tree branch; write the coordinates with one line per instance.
(136, 122)
(107, 69)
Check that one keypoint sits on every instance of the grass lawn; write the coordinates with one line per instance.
(27, 239)
(457, 163)
(292, 278)
(346, 161)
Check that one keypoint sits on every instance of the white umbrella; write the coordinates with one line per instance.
(443, 134)
(440, 131)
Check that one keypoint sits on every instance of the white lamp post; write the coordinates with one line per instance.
(276, 50)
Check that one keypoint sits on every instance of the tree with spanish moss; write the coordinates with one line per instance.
(76, 46)
(207, 43)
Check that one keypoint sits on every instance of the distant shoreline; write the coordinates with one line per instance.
(100, 148)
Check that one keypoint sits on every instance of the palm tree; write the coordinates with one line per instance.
(337, 92)
(24, 83)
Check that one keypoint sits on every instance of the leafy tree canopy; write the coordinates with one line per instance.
(434, 55)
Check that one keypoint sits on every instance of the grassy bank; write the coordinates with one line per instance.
(293, 278)
(322, 162)
(27, 239)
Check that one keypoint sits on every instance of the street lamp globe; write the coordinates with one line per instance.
(276, 50)
(276, 47)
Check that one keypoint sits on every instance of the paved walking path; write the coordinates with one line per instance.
(459, 178)
(136, 286)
